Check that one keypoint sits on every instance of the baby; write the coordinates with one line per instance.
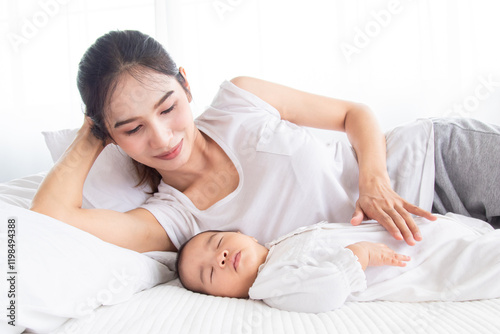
(226, 263)
(320, 267)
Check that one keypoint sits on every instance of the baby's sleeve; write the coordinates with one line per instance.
(311, 284)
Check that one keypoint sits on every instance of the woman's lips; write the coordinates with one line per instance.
(172, 154)
(236, 260)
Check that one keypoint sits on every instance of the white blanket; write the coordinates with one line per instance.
(309, 270)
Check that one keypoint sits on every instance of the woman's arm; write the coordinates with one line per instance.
(60, 196)
(377, 200)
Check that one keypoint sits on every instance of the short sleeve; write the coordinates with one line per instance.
(310, 284)
(173, 216)
(231, 97)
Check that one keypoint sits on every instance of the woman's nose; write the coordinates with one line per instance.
(222, 258)
(161, 137)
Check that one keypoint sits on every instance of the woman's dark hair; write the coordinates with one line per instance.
(112, 55)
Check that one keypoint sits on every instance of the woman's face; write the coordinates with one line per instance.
(222, 263)
(151, 120)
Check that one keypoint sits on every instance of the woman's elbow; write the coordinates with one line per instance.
(51, 209)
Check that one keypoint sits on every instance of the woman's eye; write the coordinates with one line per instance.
(219, 242)
(168, 110)
(133, 130)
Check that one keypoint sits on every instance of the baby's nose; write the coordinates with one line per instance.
(222, 258)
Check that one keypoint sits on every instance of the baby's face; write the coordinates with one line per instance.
(222, 263)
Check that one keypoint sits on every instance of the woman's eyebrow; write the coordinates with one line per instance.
(164, 97)
(130, 120)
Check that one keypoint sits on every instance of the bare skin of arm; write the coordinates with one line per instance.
(371, 254)
(60, 196)
(377, 200)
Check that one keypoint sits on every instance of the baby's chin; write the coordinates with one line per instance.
(241, 293)
(239, 296)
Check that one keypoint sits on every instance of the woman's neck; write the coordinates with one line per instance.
(208, 176)
(200, 162)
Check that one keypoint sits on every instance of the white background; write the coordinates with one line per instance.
(406, 59)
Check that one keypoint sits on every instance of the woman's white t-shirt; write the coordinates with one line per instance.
(287, 176)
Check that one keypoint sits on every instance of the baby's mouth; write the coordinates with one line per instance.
(236, 260)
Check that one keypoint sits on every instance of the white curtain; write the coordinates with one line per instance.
(41, 45)
(406, 59)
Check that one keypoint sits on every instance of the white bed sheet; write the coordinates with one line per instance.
(169, 308)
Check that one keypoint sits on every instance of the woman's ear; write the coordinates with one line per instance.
(186, 87)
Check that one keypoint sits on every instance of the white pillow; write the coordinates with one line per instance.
(111, 180)
(64, 272)
(20, 192)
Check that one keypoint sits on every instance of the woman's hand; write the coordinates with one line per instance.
(371, 254)
(62, 188)
(86, 131)
(378, 201)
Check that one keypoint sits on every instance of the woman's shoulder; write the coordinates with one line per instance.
(235, 112)
(232, 97)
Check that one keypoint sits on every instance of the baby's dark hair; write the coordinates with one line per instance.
(180, 256)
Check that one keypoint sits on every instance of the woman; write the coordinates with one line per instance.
(137, 98)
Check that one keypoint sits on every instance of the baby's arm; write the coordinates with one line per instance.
(318, 278)
(376, 254)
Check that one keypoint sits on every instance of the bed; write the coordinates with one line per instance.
(68, 281)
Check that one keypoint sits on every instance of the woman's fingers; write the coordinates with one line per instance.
(410, 227)
(393, 222)
(358, 215)
(395, 214)
(88, 121)
(418, 211)
(402, 225)
(387, 221)
(412, 231)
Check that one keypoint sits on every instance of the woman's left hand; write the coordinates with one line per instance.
(378, 201)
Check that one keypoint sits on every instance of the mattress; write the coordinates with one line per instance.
(169, 308)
